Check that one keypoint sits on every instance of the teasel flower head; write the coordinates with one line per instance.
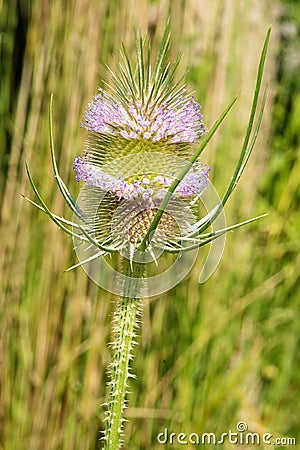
(140, 168)
(142, 130)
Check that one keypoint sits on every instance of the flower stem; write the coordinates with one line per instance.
(126, 319)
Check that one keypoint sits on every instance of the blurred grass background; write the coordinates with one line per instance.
(209, 355)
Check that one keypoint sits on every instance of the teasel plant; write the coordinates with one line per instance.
(142, 182)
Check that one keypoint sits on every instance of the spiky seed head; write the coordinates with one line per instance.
(143, 112)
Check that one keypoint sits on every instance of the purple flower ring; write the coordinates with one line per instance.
(175, 121)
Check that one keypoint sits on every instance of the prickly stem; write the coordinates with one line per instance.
(125, 324)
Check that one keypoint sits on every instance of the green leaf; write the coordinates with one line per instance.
(182, 174)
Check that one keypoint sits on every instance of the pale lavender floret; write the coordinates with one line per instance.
(91, 175)
(195, 181)
(179, 122)
(192, 185)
